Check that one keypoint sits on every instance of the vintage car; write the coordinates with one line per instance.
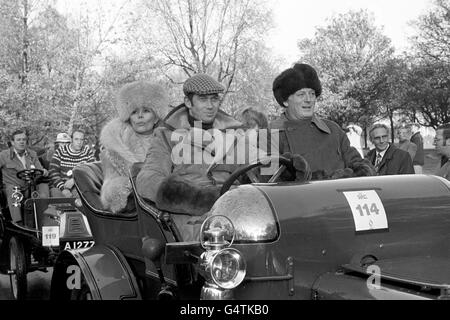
(358, 238)
(50, 226)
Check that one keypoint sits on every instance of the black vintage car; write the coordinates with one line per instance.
(359, 238)
(50, 225)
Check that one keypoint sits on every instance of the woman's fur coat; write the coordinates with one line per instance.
(122, 148)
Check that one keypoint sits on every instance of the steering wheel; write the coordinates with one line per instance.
(30, 175)
(264, 162)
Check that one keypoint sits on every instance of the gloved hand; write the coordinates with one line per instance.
(301, 166)
(363, 169)
(342, 174)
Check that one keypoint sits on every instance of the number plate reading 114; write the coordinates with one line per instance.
(368, 210)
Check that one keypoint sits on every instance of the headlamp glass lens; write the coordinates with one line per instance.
(228, 269)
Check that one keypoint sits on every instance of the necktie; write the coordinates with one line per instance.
(378, 160)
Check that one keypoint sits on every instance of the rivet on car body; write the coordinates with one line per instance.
(340, 272)
(381, 246)
(324, 252)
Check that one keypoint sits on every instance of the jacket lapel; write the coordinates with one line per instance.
(387, 156)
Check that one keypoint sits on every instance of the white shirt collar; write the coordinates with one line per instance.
(382, 153)
(21, 158)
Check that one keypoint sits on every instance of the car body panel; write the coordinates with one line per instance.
(340, 286)
(105, 270)
(299, 241)
(318, 232)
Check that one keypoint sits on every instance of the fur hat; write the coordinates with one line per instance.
(293, 79)
(133, 95)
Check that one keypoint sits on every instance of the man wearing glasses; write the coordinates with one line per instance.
(442, 144)
(387, 158)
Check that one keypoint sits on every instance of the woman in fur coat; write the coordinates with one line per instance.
(126, 139)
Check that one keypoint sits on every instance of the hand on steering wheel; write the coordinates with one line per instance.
(30, 174)
(284, 163)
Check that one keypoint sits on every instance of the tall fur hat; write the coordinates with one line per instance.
(293, 79)
(133, 95)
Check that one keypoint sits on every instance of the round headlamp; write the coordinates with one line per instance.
(228, 268)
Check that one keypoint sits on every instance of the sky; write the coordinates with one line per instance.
(297, 19)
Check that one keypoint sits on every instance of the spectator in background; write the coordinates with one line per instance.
(65, 158)
(442, 144)
(46, 158)
(387, 158)
(253, 119)
(404, 136)
(19, 157)
(417, 139)
(354, 135)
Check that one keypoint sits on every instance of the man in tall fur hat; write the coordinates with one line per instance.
(126, 139)
(321, 142)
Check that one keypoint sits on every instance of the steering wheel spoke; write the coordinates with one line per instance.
(276, 176)
(249, 171)
(30, 175)
(252, 176)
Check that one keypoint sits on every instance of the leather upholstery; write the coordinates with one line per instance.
(89, 181)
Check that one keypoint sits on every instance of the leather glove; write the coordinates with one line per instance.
(342, 174)
(301, 166)
(363, 169)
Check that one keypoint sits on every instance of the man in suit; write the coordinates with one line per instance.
(442, 144)
(387, 158)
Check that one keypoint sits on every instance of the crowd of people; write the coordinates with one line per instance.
(148, 131)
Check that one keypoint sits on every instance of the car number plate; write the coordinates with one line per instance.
(368, 210)
(50, 236)
(77, 245)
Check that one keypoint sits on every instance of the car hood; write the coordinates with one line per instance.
(313, 224)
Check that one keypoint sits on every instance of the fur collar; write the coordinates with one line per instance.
(178, 119)
(123, 146)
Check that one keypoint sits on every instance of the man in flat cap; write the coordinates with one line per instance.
(190, 187)
(321, 142)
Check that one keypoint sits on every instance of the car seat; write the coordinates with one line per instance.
(89, 180)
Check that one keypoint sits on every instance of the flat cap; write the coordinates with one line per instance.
(202, 84)
(63, 137)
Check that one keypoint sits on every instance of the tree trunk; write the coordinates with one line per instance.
(25, 42)
(391, 119)
(75, 104)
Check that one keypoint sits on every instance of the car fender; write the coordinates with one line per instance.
(103, 268)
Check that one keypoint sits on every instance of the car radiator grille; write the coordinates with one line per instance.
(76, 225)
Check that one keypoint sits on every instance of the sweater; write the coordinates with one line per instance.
(64, 161)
